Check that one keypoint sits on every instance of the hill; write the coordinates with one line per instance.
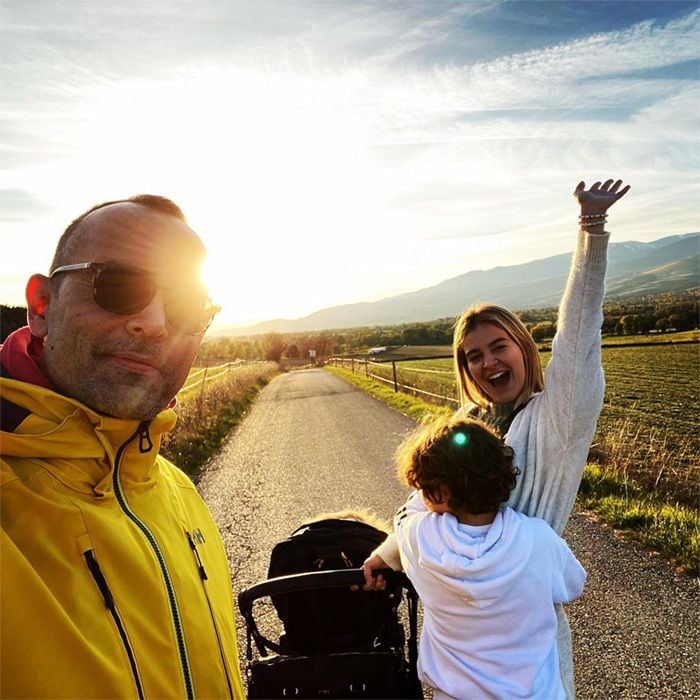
(670, 264)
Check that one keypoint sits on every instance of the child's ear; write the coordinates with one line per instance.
(443, 493)
(38, 294)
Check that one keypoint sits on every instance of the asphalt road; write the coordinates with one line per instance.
(312, 444)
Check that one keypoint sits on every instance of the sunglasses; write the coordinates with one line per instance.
(126, 290)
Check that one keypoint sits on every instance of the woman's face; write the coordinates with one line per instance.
(495, 362)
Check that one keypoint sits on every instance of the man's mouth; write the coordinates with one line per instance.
(136, 362)
(500, 379)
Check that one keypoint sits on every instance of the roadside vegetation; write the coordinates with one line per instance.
(643, 475)
(208, 411)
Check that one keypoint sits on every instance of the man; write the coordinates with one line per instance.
(114, 582)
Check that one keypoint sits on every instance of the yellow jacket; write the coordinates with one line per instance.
(114, 580)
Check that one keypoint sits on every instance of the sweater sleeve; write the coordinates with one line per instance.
(574, 384)
(552, 435)
(389, 549)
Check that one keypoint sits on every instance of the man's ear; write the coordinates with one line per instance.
(38, 295)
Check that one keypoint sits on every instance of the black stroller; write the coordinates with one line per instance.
(333, 642)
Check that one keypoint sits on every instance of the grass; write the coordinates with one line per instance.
(206, 417)
(404, 403)
(653, 338)
(671, 530)
(634, 506)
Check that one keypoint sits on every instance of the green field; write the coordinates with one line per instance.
(658, 384)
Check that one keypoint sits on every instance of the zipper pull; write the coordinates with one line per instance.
(145, 442)
(200, 566)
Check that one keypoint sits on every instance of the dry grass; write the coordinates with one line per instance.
(206, 417)
(665, 467)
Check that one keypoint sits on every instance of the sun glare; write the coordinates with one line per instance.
(274, 178)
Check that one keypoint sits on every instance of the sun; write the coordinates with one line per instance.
(268, 169)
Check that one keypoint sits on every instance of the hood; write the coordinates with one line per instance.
(77, 444)
(20, 357)
(480, 563)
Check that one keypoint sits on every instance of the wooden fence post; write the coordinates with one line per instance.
(393, 367)
(204, 381)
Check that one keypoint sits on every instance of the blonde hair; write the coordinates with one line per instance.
(469, 391)
(360, 514)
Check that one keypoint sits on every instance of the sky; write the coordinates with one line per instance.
(340, 151)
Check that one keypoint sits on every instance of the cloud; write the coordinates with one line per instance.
(21, 205)
(460, 124)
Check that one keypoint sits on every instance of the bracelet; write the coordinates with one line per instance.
(592, 224)
(593, 216)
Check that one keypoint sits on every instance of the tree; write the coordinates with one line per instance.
(545, 329)
(11, 318)
(292, 351)
(273, 345)
(629, 324)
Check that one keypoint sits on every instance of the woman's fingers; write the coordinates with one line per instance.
(622, 192)
(601, 190)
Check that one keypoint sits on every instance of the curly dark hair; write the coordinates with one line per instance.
(463, 454)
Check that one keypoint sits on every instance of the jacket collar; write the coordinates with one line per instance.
(79, 446)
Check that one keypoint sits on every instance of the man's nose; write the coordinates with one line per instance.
(151, 321)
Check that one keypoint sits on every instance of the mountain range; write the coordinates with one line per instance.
(670, 264)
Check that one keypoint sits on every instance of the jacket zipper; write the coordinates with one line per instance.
(203, 576)
(101, 582)
(145, 445)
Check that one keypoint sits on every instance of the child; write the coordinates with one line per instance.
(489, 577)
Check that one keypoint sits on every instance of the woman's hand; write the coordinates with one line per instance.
(600, 197)
(371, 583)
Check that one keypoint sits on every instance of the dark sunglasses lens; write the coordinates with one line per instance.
(123, 290)
(190, 311)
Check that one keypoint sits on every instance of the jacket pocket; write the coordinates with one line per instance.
(108, 598)
(193, 539)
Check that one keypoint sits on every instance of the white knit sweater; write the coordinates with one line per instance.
(551, 436)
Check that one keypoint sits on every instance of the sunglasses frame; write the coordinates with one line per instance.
(98, 267)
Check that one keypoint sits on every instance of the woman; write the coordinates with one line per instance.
(549, 420)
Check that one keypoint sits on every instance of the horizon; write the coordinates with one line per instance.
(346, 152)
(228, 329)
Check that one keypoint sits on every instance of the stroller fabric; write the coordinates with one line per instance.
(336, 619)
(337, 642)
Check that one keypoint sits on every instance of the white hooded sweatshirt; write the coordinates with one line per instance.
(488, 592)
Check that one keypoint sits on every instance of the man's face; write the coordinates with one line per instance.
(127, 366)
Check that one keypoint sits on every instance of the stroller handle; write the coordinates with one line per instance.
(335, 578)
